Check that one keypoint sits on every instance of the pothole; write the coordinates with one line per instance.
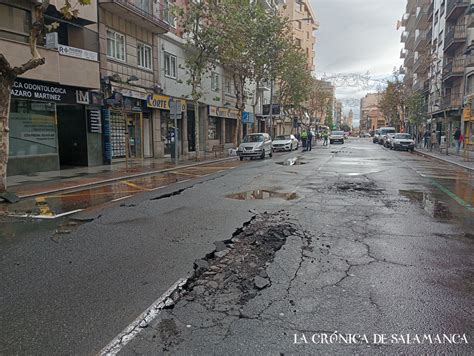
(367, 187)
(434, 207)
(261, 194)
(295, 161)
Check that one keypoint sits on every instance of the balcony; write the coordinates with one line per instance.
(422, 17)
(405, 18)
(454, 38)
(421, 40)
(430, 12)
(470, 17)
(452, 101)
(403, 53)
(409, 60)
(426, 86)
(410, 42)
(470, 60)
(454, 68)
(404, 36)
(130, 10)
(421, 65)
(455, 8)
(418, 85)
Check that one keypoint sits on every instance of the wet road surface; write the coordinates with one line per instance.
(377, 242)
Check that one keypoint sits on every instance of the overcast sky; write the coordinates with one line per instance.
(356, 36)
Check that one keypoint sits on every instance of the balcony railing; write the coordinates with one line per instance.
(430, 11)
(470, 60)
(404, 36)
(454, 68)
(418, 85)
(455, 8)
(454, 35)
(403, 53)
(426, 85)
(136, 14)
(421, 38)
(422, 17)
(452, 101)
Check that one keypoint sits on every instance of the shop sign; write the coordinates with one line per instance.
(247, 117)
(77, 53)
(94, 122)
(223, 112)
(44, 91)
(162, 102)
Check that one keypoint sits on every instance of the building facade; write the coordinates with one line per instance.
(55, 109)
(371, 117)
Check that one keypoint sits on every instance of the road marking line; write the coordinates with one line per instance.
(133, 185)
(459, 200)
(122, 198)
(44, 216)
(163, 186)
(132, 330)
(185, 174)
(182, 181)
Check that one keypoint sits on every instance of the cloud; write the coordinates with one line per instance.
(356, 36)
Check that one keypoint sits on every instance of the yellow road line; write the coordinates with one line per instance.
(133, 185)
(185, 174)
(43, 206)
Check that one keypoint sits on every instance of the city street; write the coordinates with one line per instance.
(346, 249)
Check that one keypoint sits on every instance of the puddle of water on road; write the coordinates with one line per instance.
(430, 204)
(262, 194)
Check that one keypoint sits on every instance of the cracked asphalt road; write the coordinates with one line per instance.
(362, 257)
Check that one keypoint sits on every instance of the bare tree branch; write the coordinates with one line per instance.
(31, 64)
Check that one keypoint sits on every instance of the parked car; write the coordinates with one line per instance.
(387, 139)
(384, 131)
(402, 141)
(376, 136)
(285, 143)
(336, 136)
(255, 145)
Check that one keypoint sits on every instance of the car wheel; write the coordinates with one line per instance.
(412, 149)
(330, 142)
(241, 158)
(262, 156)
(271, 154)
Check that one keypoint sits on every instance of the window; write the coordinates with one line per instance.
(300, 26)
(215, 77)
(15, 23)
(144, 56)
(167, 16)
(298, 42)
(228, 86)
(144, 5)
(115, 45)
(470, 85)
(213, 128)
(170, 65)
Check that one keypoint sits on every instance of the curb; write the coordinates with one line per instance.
(105, 181)
(427, 155)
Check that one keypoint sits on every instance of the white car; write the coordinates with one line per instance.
(255, 145)
(285, 143)
(336, 136)
(402, 141)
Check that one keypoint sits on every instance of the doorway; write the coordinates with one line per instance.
(191, 132)
(72, 135)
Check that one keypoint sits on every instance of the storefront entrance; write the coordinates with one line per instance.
(72, 136)
(191, 131)
(167, 132)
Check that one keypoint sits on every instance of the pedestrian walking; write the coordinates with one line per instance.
(426, 138)
(304, 139)
(457, 137)
(310, 141)
(434, 140)
(325, 138)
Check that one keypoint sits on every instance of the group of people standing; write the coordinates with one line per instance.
(307, 137)
(430, 139)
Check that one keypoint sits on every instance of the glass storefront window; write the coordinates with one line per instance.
(213, 128)
(33, 128)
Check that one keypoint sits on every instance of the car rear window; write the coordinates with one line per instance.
(403, 136)
(386, 131)
(337, 133)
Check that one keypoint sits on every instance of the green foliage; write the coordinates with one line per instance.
(345, 127)
(392, 101)
(416, 108)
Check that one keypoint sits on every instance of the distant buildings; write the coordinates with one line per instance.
(371, 117)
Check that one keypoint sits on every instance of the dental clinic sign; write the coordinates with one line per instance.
(77, 53)
(51, 92)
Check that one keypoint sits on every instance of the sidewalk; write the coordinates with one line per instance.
(40, 183)
(452, 158)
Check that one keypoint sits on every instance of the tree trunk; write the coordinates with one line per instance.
(196, 128)
(5, 88)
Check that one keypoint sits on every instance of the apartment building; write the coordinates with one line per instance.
(338, 117)
(302, 17)
(55, 108)
(437, 58)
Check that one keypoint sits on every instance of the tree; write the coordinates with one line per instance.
(345, 127)
(294, 79)
(393, 101)
(320, 100)
(9, 73)
(201, 49)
